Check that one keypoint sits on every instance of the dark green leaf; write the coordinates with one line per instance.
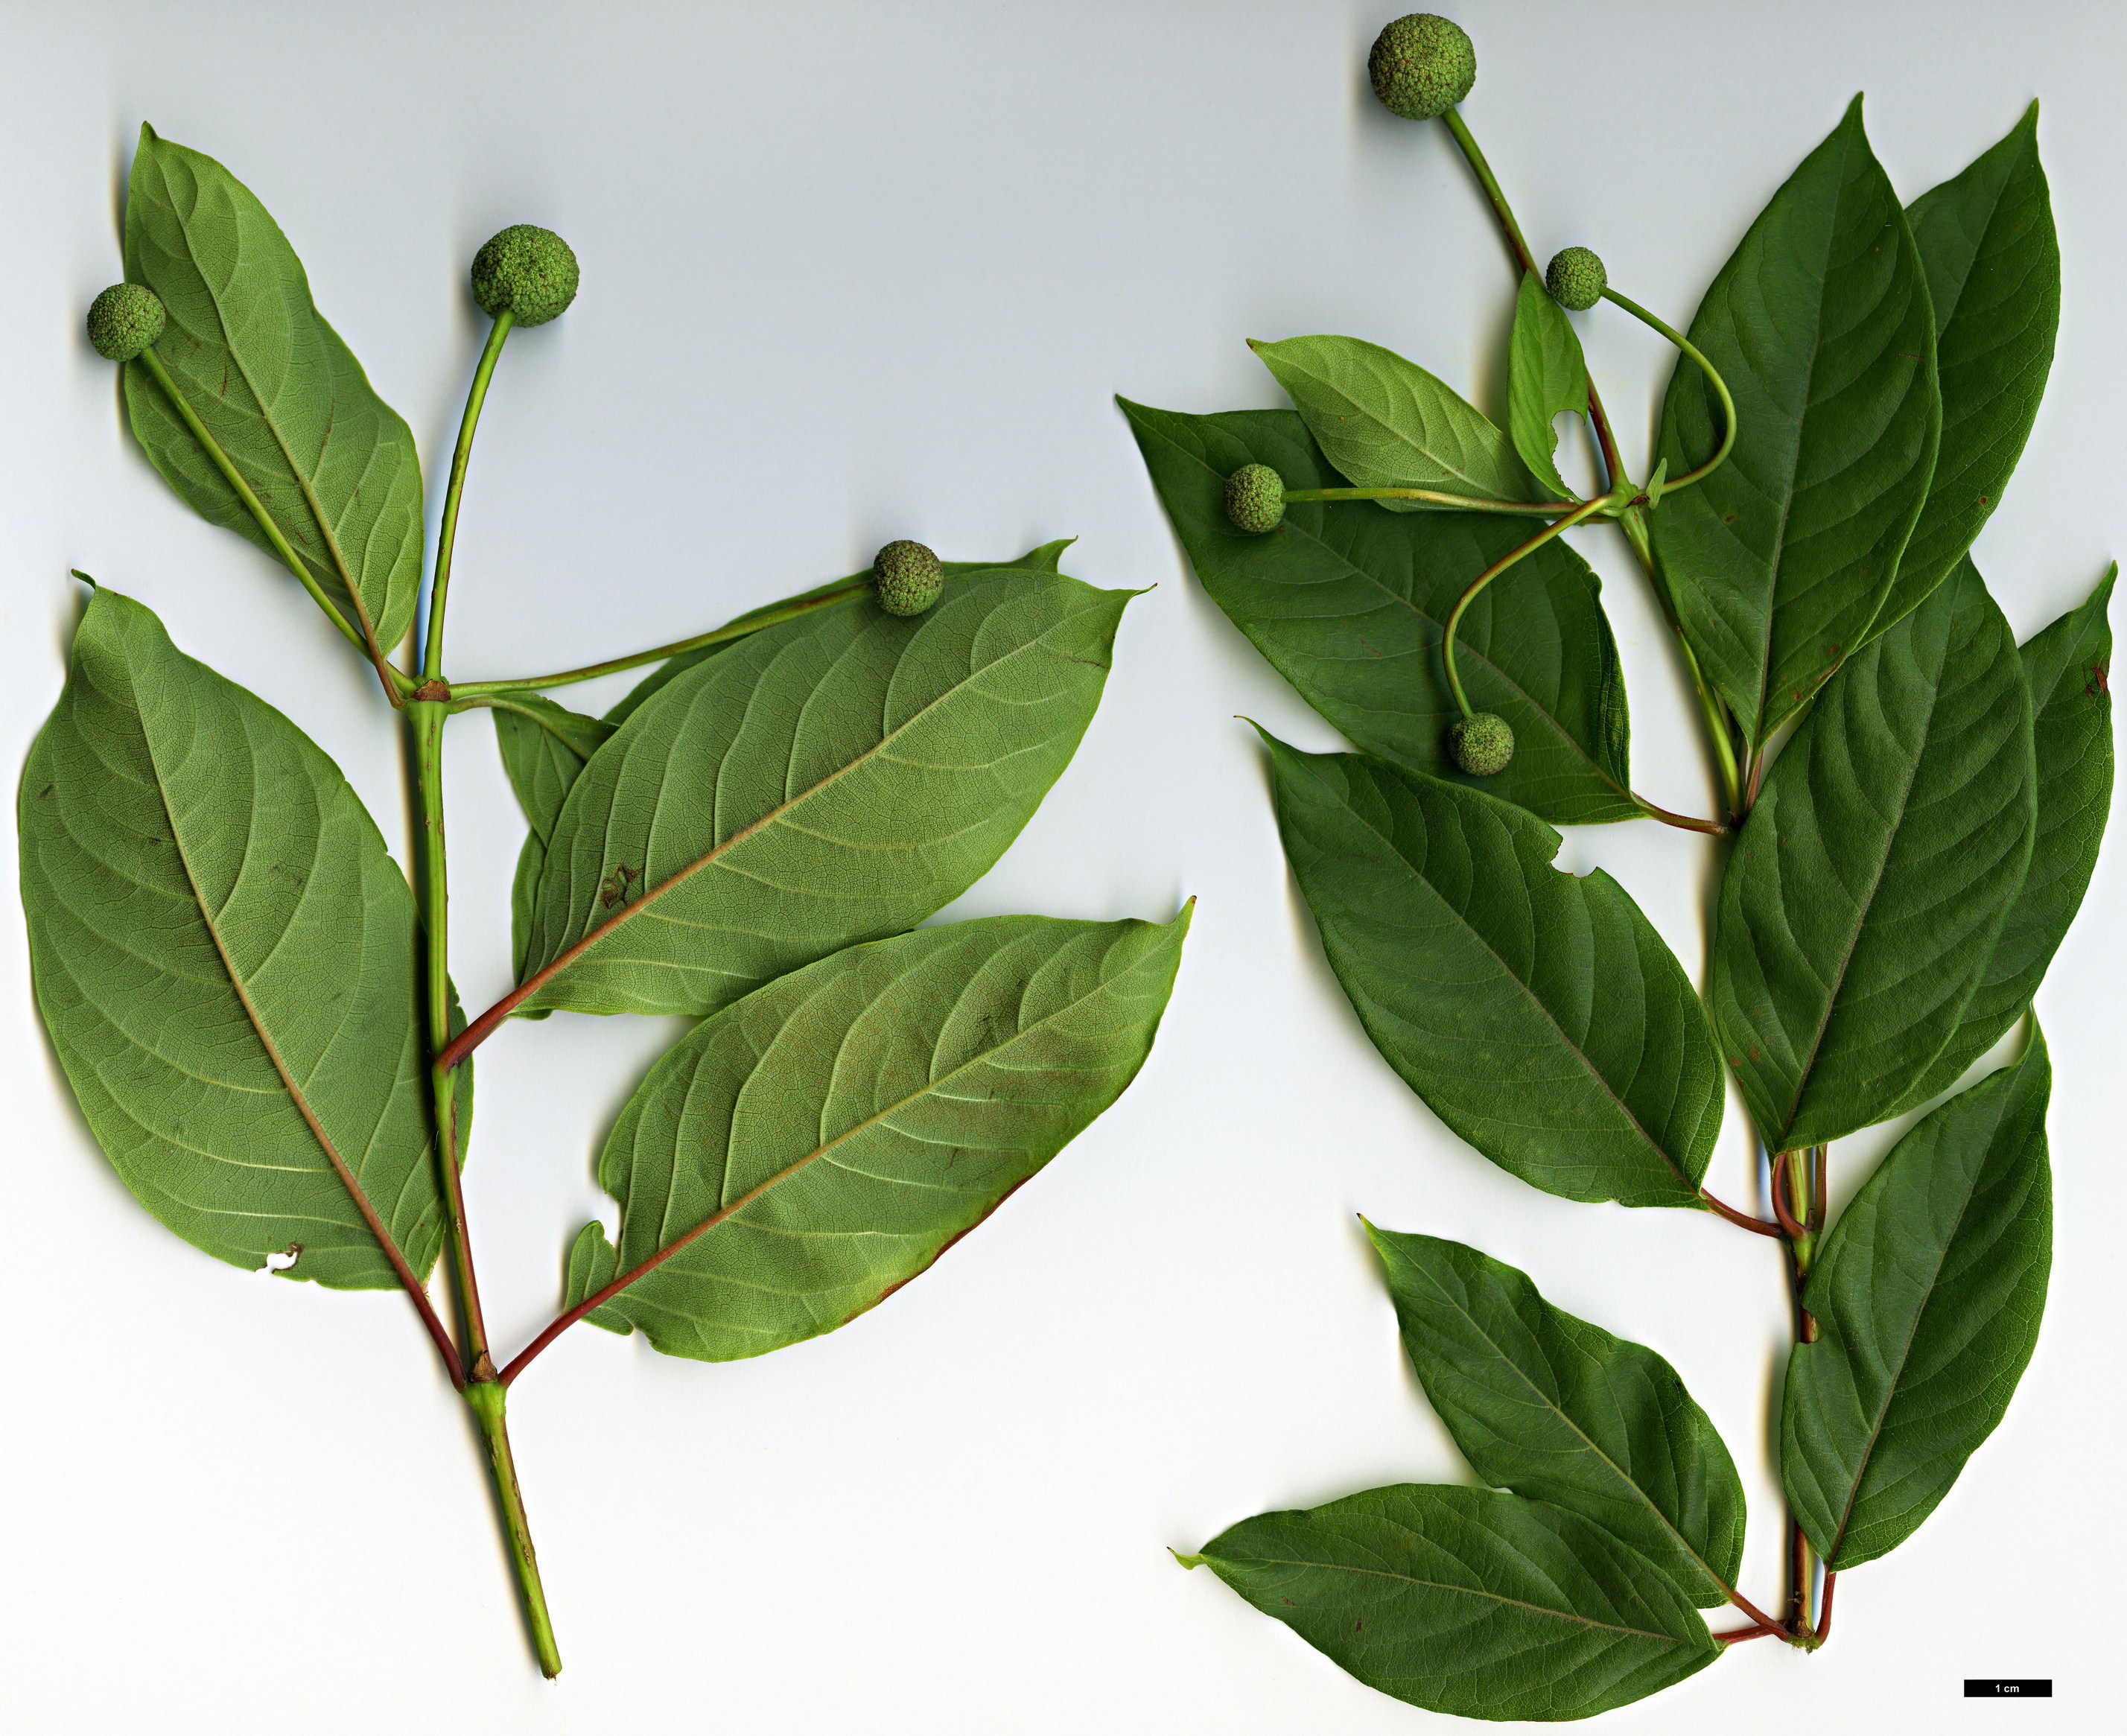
(1875, 870)
(225, 956)
(1348, 603)
(830, 780)
(1986, 240)
(1386, 423)
(1927, 1296)
(802, 1154)
(1820, 324)
(331, 462)
(1553, 1408)
(1463, 1602)
(2069, 669)
(1546, 377)
(1540, 1015)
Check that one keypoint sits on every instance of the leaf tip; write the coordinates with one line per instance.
(77, 573)
(1186, 1561)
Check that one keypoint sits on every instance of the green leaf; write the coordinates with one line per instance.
(283, 396)
(544, 746)
(797, 1157)
(1927, 1296)
(225, 959)
(1348, 604)
(1467, 1602)
(830, 780)
(1555, 1409)
(593, 1264)
(1986, 240)
(1873, 874)
(2068, 667)
(1047, 559)
(1539, 1015)
(1820, 322)
(1547, 376)
(1386, 423)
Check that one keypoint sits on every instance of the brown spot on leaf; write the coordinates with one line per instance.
(614, 888)
(2100, 680)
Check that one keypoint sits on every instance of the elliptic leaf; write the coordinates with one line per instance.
(2067, 666)
(1348, 604)
(802, 1154)
(1820, 322)
(1927, 1296)
(1467, 1602)
(225, 959)
(284, 398)
(1994, 272)
(1873, 876)
(1551, 1407)
(830, 780)
(1386, 423)
(1547, 376)
(1539, 1016)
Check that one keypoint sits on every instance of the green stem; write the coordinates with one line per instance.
(1434, 497)
(1798, 1196)
(396, 684)
(1720, 388)
(489, 1400)
(432, 660)
(1586, 509)
(737, 629)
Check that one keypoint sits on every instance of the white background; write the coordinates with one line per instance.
(852, 274)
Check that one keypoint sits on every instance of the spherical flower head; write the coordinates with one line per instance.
(1481, 744)
(125, 319)
(909, 576)
(530, 271)
(1255, 498)
(1422, 65)
(1576, 278)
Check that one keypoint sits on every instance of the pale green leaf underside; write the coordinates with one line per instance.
(1386, 423)
(544, 746)
(1873, 876)
(1927, 1296)
(829, 780)
(1546, 377)
(1539, 1015)
(1553, 1408)
(1820, 322)
(220, 946)
(282, 395)
(1468, 1602)
(801, 1154)
(1348, 603)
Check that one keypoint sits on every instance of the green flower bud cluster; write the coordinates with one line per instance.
(1255, 498)
(1422, 66)
(125, 319)
(1481, 744)
(529, 271)
(1576, 278)
(908, 576)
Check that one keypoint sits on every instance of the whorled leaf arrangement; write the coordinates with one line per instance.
(1851, 398)
(254, 1007)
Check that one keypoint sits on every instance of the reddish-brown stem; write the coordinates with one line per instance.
(1788, 1223)
(1816, 1190)
(1824, 1608)
(1752, 1610)
(1735, 1636)
(1741, 1219)
(1683, 822)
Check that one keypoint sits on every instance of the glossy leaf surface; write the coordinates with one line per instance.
(225, 956)
(830, 780)
(2068, 667)
(1549, 1406)
(1386, 423)
(1986, 240)
(800, 1156)
(282, 395)
(1348, 604)
(1820, 322)
(1539, 1015)
(1864, 896)
(1927, 1296)
(1464, 1601)
(1546, 377)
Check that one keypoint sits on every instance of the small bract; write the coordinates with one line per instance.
(529, 271)
(125, 319)
(909, 576)
(1422, 65)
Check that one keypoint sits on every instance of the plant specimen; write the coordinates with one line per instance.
(1912, 805)
(255, 1010)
